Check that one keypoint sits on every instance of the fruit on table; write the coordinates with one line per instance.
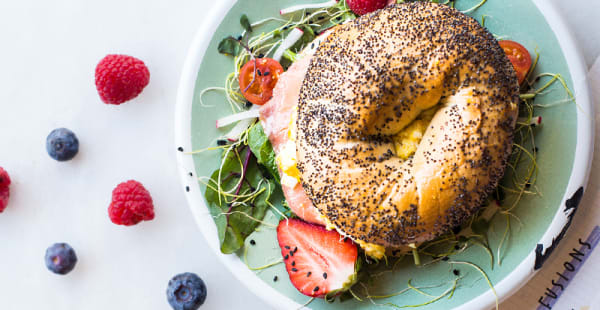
(120, 78)
(60, 258)
(186, 291)
(131, 203)
(62, 144)
(4, 189)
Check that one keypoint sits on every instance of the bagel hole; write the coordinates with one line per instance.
(407, 141)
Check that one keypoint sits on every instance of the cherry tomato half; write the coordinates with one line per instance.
(260, 89)
(518, 56)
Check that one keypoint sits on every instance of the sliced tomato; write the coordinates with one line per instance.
(518, 56)
(258, 78)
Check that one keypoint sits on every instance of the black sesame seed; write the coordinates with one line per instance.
(180, 149)
(456, 247)
(445, 258)
(295, 249)
(456, 272)
(187, 188)
(291, 253)
(248, 104)
(221, 142)
(286, 257)
(252, 242)
(275, 279)
(456, 230)
(259, 73)
(239, 38)
(528, 185)
(294, 263)
(338, 18)
(321, 17)
(324, 275)
(191, 174)
(536, 149)
(266, 73)
(261, 55)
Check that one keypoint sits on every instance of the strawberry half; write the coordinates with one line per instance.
(319, 262)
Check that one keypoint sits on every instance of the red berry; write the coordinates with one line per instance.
(120, 78)
(362, 7)
(4, 178)
(131, 203)
(4, 189)
(318, 261)
(4, 195)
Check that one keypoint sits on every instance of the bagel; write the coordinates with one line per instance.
(370, 80)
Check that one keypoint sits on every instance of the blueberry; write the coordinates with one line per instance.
(186, 291)
(60, 258)
(62, 144)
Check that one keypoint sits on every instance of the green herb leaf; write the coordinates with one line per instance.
(261, 147)
(246, 23)
(229, 46)
(236, 219)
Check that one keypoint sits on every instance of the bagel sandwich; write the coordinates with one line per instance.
(394, 127)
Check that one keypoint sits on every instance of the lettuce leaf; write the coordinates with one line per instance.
(261, 147)
(236, 222)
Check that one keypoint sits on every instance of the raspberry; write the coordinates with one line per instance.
(4, 189)
(362, 7)
(120, 78)
(4, 178)
(4, 195)
(131, 203)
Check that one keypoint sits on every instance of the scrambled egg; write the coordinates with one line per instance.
(286, 159)
(407, 141)
(374, 250)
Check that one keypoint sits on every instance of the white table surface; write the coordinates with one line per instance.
(47, 58)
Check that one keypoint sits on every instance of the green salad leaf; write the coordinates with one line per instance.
(261, 147)
(229, 46)
(245, 23)
(242, 200)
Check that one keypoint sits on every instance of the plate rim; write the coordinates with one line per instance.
(506, 287)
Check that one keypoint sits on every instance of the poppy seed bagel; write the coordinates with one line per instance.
(372, 77)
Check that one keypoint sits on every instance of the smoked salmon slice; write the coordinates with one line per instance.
(275, 118)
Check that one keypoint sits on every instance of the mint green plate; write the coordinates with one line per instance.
(565, 142)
